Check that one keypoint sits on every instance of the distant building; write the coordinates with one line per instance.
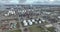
(48, 25)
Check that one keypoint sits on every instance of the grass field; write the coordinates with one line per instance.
(51, 29)
(36, 29)
(16, 31)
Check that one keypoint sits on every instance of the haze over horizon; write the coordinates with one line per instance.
(52, 2)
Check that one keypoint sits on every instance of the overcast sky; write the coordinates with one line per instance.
(30, 1)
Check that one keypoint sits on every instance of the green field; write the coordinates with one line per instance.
(16, 31)
(51, 29)
(36, 29)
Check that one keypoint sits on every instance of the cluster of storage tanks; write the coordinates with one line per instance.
(32, 21)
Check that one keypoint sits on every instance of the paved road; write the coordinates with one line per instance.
(21, 27)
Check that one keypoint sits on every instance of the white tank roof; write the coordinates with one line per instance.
(30, 22)
(26, 24)
(39, 21)
(24, 21)
(33, 20)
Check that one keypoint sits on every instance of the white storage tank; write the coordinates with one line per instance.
(26, 24)
(39, 22)
(11, 12)
(30, 23)
(43, 20)
(24, 21)
(33, 20)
